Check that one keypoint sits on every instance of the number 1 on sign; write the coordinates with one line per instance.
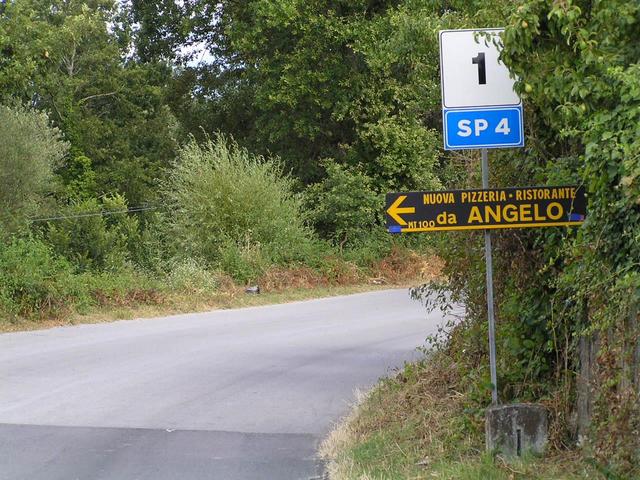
(482, 69)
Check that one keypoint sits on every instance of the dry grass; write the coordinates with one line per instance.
(278, 279)
(278, 285)
(411, 418)
(400, 267)
(340, 438)
(402, 264)
(177, 304)
(418, 425)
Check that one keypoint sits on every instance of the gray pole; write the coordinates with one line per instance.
(489, 270)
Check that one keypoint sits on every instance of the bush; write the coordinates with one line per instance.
(228, 204)
(30, 149)
(124, 287)
(344, 207)
(243, 261)
(190, 276)
(373, 247)
(96, 242)
(35, 281)
(78, 177)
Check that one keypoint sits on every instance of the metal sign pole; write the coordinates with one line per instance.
(489, 271)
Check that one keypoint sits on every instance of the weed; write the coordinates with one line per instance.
(417, 425)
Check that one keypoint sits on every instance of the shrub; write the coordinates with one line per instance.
(78, 177)
(93, 241)
(243, 261)
(35, 281)
(124, 287)
(343, 207)
(226, 201)
(190, 276)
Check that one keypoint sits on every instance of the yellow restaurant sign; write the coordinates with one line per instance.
(517, 207)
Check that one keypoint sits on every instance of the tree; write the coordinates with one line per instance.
(578, 66)
(70, 58)
(311, 81)
(30, 150)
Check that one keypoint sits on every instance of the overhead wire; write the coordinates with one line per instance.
(96, 214)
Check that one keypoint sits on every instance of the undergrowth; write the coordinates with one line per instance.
(39, 287)
(423, 424)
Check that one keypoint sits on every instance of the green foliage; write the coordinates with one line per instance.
(577, 68)
(124, 287)
(344, 207)
(378, 244)
(234, 208)
(243, 261)
(303, 81)
(33, 280)
(30, 149)
(350, 81)
(587, 92)
(68, 58)
(191, 276)
(92, 241)
(78, 178)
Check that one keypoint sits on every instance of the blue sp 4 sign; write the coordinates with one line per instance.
(483, 128)
(479, 104)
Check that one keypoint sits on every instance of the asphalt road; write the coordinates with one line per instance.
(228, 395)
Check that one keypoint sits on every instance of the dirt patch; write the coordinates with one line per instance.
(278, 279)
(400, 267)
(403, 265)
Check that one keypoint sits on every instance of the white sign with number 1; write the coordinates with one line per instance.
(472, 75)
(480, 109)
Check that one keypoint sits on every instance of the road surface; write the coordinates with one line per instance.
(229, 395)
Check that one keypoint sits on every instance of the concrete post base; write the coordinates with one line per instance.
(514, 430)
